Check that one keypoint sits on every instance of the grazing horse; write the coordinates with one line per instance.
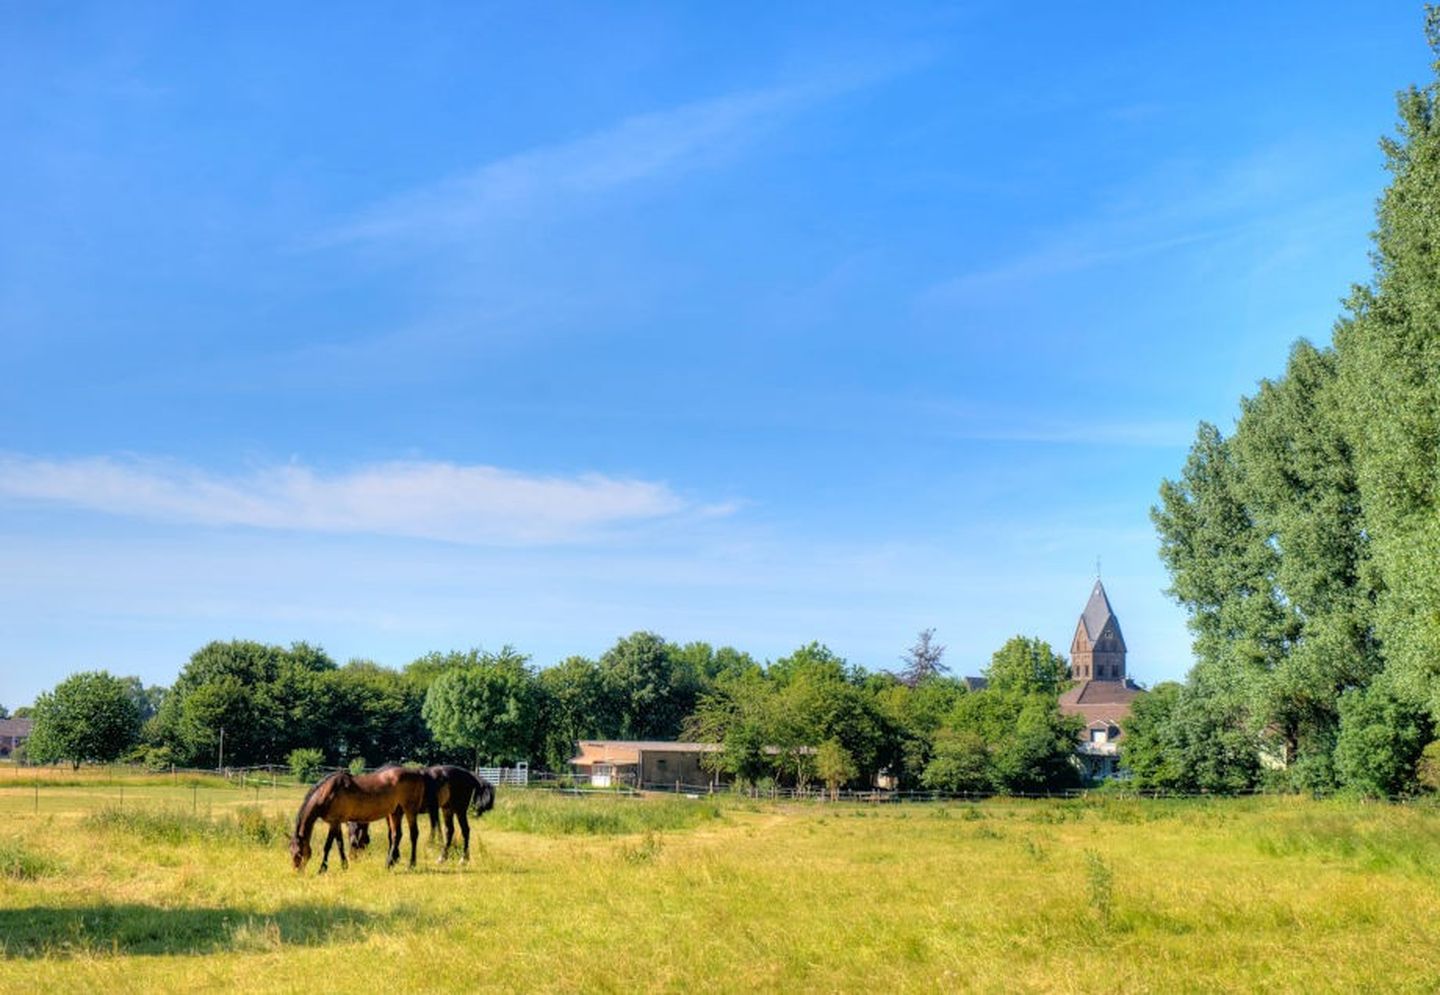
(344, 797)
(453, 790)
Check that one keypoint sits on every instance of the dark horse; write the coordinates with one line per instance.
(453, 790)
(344, 797)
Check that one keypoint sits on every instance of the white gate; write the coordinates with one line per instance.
(519, 774)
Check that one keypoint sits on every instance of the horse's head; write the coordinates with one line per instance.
(484, 797)
(359, 833)
(299, 852)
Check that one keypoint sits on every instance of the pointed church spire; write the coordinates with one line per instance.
(1098, 612)
(1098, 651)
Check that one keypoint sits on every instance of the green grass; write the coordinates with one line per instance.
(246, 823)
(171, 890)
(597, 815)
(20, 863)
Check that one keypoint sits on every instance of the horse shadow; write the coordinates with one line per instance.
(137, 929)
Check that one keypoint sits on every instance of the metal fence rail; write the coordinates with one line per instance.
(261, 780)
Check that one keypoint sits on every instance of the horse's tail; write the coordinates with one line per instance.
(483, 800)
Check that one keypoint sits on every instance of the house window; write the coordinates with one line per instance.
(1099, 735)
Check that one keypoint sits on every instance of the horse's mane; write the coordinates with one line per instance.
(315, 797)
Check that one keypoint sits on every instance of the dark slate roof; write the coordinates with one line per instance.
(20, 728)
(1097, 612)
(976, 683)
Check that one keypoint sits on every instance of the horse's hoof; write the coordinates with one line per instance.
(322, 870)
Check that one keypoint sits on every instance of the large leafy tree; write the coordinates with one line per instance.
(574, 706)
(487, 711)
(1389, 365)
(1381, 739)
(376, 715)
(1027, 666)
(1010, 736)
(267, 700)
(649, 690)
(1303, 546)
(88, 717)
(917, 715)
(1152, 755)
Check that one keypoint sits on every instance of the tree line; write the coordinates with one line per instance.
(807, 717)
(1305, 544)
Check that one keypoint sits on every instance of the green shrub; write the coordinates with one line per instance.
(357, 765)
(306, 764)
(1428, 771)
(252, 824)
(643, 851)
(19, 863)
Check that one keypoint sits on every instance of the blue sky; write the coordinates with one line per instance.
(539, 324)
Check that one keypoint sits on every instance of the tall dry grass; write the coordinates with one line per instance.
(674, 894)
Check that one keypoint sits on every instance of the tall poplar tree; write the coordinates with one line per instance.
(1389, 349)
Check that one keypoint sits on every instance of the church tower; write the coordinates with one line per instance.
(1102, 692)
(1097, 653)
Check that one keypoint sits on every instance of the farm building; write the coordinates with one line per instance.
(1102, 691)
(13, 732)
(608, 762)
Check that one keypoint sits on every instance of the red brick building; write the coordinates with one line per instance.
(1102, 691)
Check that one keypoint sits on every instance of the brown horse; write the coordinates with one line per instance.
(452, 790)
(343, 797)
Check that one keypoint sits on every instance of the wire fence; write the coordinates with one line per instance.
(24, 787)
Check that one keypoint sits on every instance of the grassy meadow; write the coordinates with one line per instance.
(187, 886)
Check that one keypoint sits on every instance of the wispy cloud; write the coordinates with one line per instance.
(1084, 431)
(1178, 205)
(637, 148)
(1062, 256)
(429, 500)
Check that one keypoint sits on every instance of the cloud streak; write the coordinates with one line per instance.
(426, 500)
(1178, 206)
(642, 147)
(637, 148)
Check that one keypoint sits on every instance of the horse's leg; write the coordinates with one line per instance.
(449, 836)
(465, 836)
(414, 835)
(392, 830)
(340, 842)
(330, 838)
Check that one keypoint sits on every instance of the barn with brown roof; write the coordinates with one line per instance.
(1102, 692)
